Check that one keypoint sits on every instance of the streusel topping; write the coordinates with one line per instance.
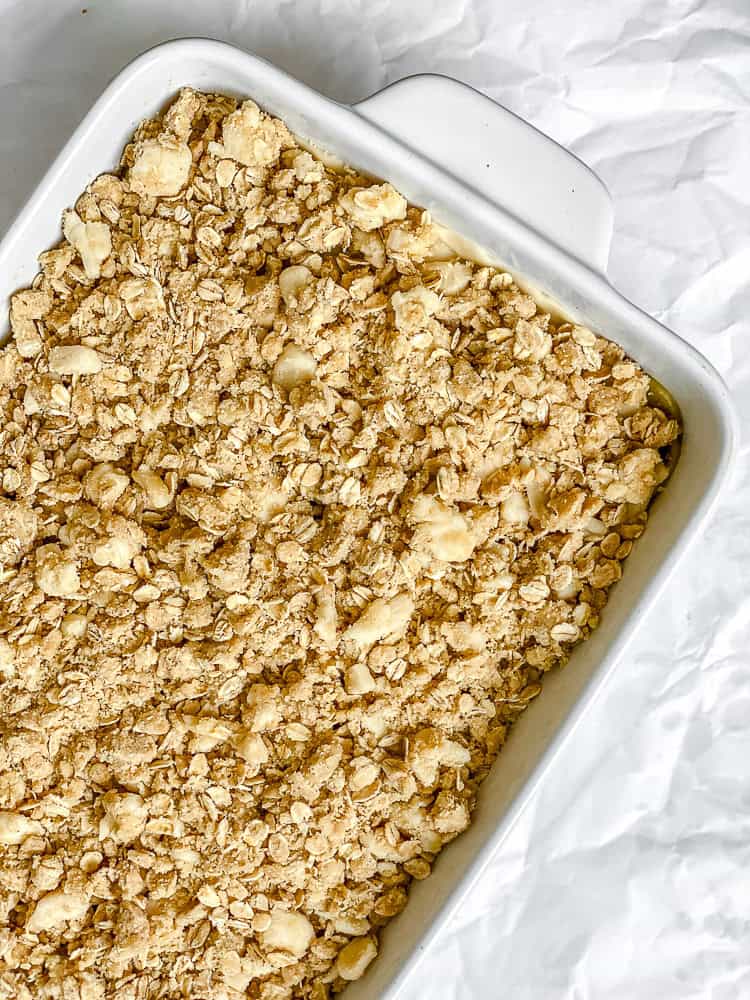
(297, 509)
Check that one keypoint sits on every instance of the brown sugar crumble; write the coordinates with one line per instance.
(297, 509)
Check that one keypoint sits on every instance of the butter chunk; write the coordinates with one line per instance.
(161, 168)
(429, 749)
(26, 307)
(292, 281)
(56, 572)
(92, 240)
(358, 679)
(124, 817)
(382, 620)
(326, 622)
(156, 492)
(294, 366)
(74, 360)
(56, 908)
(288, 932)
(15, 827)
(253, 138)
(372, 207)
(444, 531)
(515, 509)
(251, 748)
(7, 661)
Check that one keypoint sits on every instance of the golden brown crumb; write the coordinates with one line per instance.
(297, 509)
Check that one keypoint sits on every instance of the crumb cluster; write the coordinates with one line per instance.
(297, 509)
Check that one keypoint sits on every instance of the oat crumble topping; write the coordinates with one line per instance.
(297, 509)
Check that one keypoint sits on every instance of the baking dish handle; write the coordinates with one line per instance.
(502, 157)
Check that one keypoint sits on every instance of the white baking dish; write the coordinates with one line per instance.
(536, 208)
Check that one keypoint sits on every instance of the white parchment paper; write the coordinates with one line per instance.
(629, 878)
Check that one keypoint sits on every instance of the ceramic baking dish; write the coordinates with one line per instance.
(536, 208)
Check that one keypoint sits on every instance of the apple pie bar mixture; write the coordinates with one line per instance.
(297, 508)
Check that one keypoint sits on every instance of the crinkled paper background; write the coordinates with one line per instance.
(629, 878)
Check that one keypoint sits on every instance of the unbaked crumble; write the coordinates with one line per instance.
(298, 507)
